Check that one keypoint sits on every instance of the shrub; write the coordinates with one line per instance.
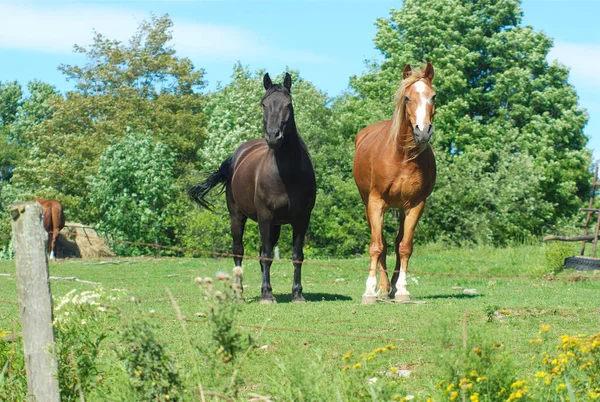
(151, 371)
(555, 254)
(13, 384)
(132, 191)
(79, 326)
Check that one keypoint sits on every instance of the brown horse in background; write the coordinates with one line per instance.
(394, 167)
(54, 221)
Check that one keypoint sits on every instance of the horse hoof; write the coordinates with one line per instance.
(369, 299)
(401, 298)
(268, 301)
(384, 295)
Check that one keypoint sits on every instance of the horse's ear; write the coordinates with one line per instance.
(287, 81)
(406, 72)
(267, 81)
(428, 72)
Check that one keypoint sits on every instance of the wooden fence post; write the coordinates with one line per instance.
(35, 301)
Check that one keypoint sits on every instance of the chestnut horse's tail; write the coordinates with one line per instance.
(221, 176)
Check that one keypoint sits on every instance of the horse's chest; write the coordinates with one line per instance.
(406, 189)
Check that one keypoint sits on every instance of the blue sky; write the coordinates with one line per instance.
(327, 40)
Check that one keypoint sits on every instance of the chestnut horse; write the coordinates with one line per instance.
(269, 180)
(54, 221)
(394, 167)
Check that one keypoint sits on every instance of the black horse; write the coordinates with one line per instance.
(269, 180)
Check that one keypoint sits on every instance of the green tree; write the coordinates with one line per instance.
(133, 189)
(141, 85)
(509, 134)
(11, 97)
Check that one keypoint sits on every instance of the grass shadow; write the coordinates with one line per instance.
(309, 297)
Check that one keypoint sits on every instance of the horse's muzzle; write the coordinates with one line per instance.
(274, 141)
(423, 135)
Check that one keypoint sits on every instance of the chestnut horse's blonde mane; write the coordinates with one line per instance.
(408, 144)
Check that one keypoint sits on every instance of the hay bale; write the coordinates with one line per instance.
(78, 241)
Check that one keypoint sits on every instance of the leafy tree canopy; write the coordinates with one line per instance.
(142, 86)
(133, 188)
(509, 134)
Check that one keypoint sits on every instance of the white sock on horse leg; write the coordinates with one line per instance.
(401, 284)
(371, 285)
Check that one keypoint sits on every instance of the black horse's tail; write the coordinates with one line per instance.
(221, 176)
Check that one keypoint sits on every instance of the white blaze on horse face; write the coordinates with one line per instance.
(420, 87)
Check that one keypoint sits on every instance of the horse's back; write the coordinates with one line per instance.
(372, 133)
(52, 213)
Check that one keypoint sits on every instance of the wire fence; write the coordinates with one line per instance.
(315, 263)
(318, 263)
(112, 237)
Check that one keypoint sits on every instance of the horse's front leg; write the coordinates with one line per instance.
(397, 251)
(269, 234)
(375, 211)
(299, 232)
(405, 250)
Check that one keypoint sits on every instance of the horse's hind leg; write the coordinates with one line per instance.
(299, 231)
(237, 225)
(53, 244)
(269, 234)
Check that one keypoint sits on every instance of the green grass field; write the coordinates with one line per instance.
(333, 322)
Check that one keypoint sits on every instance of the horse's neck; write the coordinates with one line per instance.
(289, 155)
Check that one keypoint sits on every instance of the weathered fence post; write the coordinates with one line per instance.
(35, 302)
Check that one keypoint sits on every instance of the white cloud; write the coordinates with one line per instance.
(55, 30)
(582, 58)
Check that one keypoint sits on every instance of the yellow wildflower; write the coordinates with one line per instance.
(449, 388)
(453, 395)
(518, 384)
(473, 373)
(561, 386)
(481, 379)
(357, 366)
(463, 382)
(540, 374)
(474, 397)
(536, 341)
(394, 369)
(347, 355)
(545, 328)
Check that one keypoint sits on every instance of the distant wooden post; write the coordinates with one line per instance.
(35, 302)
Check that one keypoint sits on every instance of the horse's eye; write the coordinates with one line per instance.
(406, 99)
(433, 98)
